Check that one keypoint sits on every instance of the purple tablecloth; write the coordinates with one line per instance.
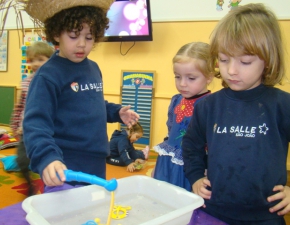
(201, 218)
(15, 215)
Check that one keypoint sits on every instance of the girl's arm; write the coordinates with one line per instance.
(170, 113)
(124, 148)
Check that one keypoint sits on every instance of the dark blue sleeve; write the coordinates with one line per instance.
(193, 146)
(38, 124)
(113, 112)
(171, 111)
(124, 147)
(284, 113)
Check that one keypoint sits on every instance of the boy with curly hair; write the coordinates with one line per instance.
(65, 124)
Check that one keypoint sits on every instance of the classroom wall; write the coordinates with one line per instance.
(168, 37)
(196, 10)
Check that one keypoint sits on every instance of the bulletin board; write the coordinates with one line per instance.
(8, 98)
(138, 91)
(29, 38)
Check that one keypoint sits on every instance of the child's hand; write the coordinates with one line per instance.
(284, 195)
(129, 117)
(139, 161)
(139, 164)
(131, 167)
(49, 176)
(200, 188)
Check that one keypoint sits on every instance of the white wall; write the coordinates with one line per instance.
(180, 10)
(191, 10)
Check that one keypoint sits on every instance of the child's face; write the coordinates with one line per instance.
(189, 81)
(135, 136)
(241, 72)
(37, 61)
(76, 46)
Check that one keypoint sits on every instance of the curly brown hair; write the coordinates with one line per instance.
(72, 19)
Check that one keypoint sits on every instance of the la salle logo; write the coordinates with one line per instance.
(75, 86)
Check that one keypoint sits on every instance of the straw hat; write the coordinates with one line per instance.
(40, 10)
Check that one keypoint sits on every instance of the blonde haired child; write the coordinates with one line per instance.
(37, 53)
(122, 151)
(245, 125)
(193, 72)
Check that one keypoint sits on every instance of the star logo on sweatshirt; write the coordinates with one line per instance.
(263, 129)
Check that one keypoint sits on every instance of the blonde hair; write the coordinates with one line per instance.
(200, 53)
(136, 128)
(39, 48)
(251, 29)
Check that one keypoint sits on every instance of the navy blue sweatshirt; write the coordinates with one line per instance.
(66, 116)
(247, 134)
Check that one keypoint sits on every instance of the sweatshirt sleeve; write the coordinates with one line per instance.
(193, 146)
(284, 113)
(41, 105)
(124, 148)
(113, 112)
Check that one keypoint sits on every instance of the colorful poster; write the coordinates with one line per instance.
(3, 51)
(28, 39)
(137, 91)
(138, 79)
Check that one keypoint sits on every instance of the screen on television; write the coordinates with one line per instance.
(129, 21)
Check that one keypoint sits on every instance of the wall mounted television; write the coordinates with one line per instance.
(129, 21)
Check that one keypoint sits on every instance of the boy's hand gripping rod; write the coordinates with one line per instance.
(71, 175)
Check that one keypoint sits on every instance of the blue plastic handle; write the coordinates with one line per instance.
(71, 175)
(90, 222)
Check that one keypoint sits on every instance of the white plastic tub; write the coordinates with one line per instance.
(153, 202)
